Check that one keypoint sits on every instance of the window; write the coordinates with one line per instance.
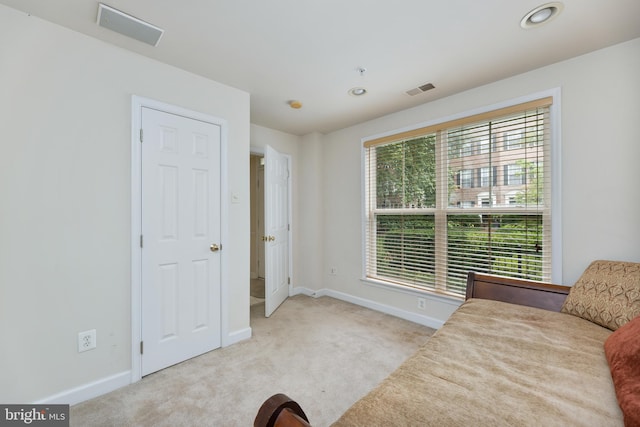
(513, 139)
(467, 148)
(488, 176)
(436, 208)
(514, 175)
(486, 199)
(466, 178)
(512, 197)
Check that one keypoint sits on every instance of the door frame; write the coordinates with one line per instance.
(137, 103)
(260, 151)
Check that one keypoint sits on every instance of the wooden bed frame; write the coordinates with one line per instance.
(516, 291)
(280, 411)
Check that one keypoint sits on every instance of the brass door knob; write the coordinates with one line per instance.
(214, 247)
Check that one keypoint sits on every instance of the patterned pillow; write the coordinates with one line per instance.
(607, 293)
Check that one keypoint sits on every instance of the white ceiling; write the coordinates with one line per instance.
(279, 50)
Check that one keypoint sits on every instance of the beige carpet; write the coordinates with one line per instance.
(323, 352)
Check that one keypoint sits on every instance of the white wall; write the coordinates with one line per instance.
(65, 190)
(312, 209)
(65, 116)
(600, 160)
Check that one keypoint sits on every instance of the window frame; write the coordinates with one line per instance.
(555, 213)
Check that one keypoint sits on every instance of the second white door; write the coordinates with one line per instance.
(276, 178)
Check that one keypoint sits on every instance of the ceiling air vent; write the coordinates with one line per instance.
(128, 25)
(420, 89)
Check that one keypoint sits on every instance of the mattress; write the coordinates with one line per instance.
(498, 364)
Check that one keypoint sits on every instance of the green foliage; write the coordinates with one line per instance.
(509, 245)
(502, 244)
(406, 247)
(533, 173)
(406, 174)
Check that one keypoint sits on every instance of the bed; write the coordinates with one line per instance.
(516, 353)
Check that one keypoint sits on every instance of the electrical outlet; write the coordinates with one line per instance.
(86, 340)
(333, 271)
(422, 304)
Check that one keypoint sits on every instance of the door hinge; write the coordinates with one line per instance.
(141, 135)
(288, 280)
(141, 241)
(141, 347)
(288, 227)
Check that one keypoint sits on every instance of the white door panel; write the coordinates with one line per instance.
(276, 177)
(180, 221)
(260, 229)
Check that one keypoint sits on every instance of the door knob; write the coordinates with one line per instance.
(214, 247)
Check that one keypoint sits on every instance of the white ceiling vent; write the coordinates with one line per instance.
(128, 25)
(420, 89)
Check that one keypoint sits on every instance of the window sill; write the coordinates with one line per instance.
(432, 295)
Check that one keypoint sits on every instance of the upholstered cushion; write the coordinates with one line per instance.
(607, 293)
(622, 349)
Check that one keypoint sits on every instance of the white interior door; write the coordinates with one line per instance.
(180, 226)
(276, 213)
(260, 225)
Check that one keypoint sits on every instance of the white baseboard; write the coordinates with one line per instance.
(114, 382)
(236, 336)
(420, 319)
(88, 391)
(301, 290)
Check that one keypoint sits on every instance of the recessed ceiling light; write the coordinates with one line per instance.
(357, 91)
(296, 105)
(541, 15)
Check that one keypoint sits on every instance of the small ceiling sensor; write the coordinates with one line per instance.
(357, 91)
(541, 15)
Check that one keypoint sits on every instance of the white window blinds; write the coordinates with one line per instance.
(470, 194)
